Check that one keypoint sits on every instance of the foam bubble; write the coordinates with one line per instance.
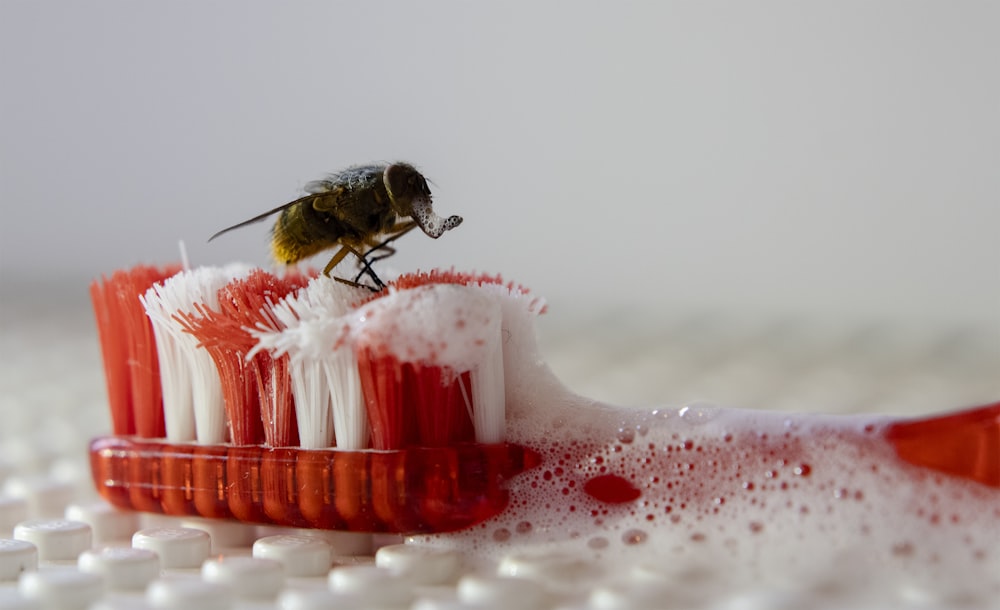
(761, 497)
(443, 325)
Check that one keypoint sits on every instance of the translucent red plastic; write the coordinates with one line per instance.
(409, 491)
(131, 367)
(964, 444)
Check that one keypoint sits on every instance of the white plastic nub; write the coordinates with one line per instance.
(224, 534)
(447, 603)
(381, 586)
(301, 555)
(634, 596)
(16, 556)
(550, 568)
(10, 599)
(188, 594)
(344, 543)
(106, 522)
(62, 589)
(496, 591)
(56, 539)
(248, 577)
(178, 547)
(421, 565)
(12, 511)
(46, 497)
(320, 599)
(123, 569)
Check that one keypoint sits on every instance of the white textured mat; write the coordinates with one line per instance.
(52, 402)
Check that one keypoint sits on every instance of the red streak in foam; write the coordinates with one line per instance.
(611, 489)
(965, 444)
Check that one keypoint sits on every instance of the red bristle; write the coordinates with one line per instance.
(410, 404)
(223, 340)
(131, 367)
(391, 422)
(441, 409)
(115, 353)
(257, 393)
(443, 276)
(451, 276)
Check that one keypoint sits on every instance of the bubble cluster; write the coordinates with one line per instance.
(765, 494)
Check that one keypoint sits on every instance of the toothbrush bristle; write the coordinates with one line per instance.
(443, 276)
(444, 410)
(281, 366)
(323, 371)
(130, 361)
(192, 391)
(257, 390)
(432, 369)
(414, 405)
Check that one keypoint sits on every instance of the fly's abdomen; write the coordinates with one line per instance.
(301, 232)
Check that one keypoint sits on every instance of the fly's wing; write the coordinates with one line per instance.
(332, 196)
(315, 187)
(261, 217)
(324, 196)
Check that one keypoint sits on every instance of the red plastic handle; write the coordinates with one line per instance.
(964, 444)
(409, 491)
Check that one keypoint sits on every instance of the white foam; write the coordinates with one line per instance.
(759, 497)
(460, 328)
(450, 326)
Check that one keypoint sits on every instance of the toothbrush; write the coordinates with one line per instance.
(471, 434)
(440, 443)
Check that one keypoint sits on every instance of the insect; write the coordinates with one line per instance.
(362, 209)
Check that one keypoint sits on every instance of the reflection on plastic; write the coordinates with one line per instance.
(415, 490)
(964, 444)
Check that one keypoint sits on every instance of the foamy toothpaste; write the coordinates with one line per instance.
(702, 494)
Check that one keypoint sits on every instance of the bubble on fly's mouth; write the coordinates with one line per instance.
(429, 222)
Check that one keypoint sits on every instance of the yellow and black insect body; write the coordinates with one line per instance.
(361, 209)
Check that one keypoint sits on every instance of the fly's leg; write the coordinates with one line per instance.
(398, 230)
(339, 256)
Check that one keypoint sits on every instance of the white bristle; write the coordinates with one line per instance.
(518, 310)
(350, 418)
(324, 374)
(458, 328)
(192, 392)
(318, 329)
(488, 397)
(312, 403)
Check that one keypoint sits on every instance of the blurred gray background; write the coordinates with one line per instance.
(628, 160)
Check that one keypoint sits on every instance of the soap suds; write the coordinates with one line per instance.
(754, 497)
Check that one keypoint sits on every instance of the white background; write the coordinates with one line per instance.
(833, 160)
